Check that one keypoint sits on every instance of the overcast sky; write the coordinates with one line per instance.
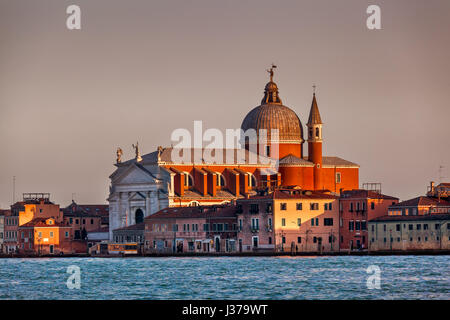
(137, 70)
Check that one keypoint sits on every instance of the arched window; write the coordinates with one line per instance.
(188, 180)
(194, 204)
(251, 180)
(317, 133)
(220, 180)
(139, 216)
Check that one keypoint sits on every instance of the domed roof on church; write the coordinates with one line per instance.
(272, 114)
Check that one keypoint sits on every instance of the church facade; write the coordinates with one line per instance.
(149, 183)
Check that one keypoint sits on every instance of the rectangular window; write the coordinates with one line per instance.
(255, 224)
(418, 226)
(338, 177)
(299, 206)
(372, 205)
(436, 226)
(299, 222)
(283, 206)
(425, 226)
(410, 227)
(317, 222)
(254, 208)
(314, 206)
(206, 226)
(363, 225)
(351, 225)
(67, 234)
(299, 239)
(397, 227)
(328, 221)
(51, 234)
(351, 207)
(283, 222)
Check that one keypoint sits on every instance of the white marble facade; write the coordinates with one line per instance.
(137, 191)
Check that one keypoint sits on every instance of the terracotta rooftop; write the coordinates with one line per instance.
(195, 212)
(294, 194)
(40, 222)
(422, 201)
(361, 193)
(103, 229)
(86, 210)
(139, 226)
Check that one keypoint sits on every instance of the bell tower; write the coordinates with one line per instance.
(315, 142)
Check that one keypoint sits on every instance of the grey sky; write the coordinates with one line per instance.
(139, 69)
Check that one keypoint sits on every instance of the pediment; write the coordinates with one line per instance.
(135, 174)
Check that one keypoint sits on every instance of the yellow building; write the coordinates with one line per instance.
(306, 221)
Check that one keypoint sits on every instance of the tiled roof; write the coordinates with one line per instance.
(361, 193)
(422, 201)
(338, 162)
(86, 210)
(195, 212)
(40, 222)
(293, 160)
(412, 218)
(294, 194)
(104, 229)
(139, 226)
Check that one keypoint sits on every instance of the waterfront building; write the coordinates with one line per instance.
(81, 221)
(410, 232)
(101, 210)
(255, 224)
(192, 229)
(130, 234)
(146, 184)
(422, 205)
(2, 229)
(47, 236)
(11, 224)
(356, 208)
(291, 220)
(96, 236)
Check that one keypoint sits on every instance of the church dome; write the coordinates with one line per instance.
(272, 114)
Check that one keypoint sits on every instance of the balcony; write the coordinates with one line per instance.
(254, 229)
